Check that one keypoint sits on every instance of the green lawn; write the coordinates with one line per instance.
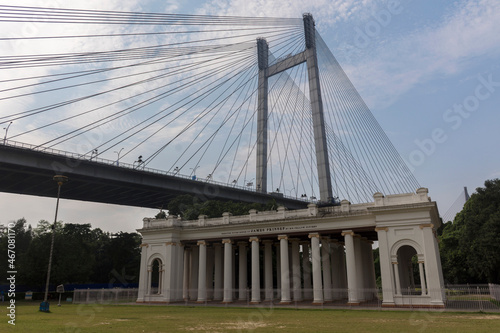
(146, 318)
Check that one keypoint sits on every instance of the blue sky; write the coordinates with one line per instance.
(428, 70)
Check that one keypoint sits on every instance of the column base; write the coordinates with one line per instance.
(353, 303)
(200, 302)
(226, 302)
(254, 302)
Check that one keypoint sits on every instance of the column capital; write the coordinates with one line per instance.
(170, 243)
(254, 239)
(394, 262)
(427, 225)
(348, 232)
(201, 242)
(227, 240)
(280, 237)
(144, 245)
(377, 229)
(420, 261)
(314, 235)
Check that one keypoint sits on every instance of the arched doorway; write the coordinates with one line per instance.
(156, 277)
(411, 271)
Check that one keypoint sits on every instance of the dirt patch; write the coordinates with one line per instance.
(487, 317)
(242, 325)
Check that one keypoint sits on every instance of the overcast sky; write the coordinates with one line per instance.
(428, 70)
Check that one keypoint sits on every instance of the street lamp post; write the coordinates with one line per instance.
(118, 159)
(194, 172)
(6, 130)
(44, 306)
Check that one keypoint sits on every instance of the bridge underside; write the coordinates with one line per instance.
(24, 171)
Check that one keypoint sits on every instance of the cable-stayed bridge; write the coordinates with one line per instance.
(153, 105)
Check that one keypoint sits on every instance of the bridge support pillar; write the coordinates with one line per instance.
(262, 114)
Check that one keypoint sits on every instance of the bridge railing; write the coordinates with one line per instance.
(134, 166)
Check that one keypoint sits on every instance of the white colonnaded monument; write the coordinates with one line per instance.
(318, 254)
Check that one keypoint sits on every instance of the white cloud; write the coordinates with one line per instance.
(465, 37)
(325, 12)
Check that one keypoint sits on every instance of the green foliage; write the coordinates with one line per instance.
(470, 250)
(81, 254)
(190, 207)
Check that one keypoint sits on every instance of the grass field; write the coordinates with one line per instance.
(147, 318)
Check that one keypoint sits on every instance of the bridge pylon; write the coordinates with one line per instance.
(308, 56)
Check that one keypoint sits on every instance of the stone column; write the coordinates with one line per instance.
(433, 270)
(316, 269)
(335, 263)
(202, 272)
(422, 277)
(285, 276)
(242, 265)
(396, 275)
(233, 265)
(210, 272)
(255, 271)
(180, 272)
(143, 274)
(268, 269)
(358, 254)
(185, 280)
(371, 266)
(150, 274)
(193, 292)
(386, 269)
(343, 270)
(352, 283)
(306, 271)
(217, 272)
(327, 270)
(278, 268)
(296, 276)
(228, 271)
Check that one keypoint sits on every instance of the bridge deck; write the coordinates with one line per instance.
(28, 171)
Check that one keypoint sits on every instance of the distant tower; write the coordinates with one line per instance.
(467, 196)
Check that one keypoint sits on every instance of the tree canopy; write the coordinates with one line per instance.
(470, 246)
(190, 207)
(81, 254)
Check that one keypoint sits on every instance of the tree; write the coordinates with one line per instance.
(189, 207)
(469, 246)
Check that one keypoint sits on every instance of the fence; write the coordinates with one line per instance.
(111, 296)
(457, 298)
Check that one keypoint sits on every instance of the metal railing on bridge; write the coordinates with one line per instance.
(134, 166)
